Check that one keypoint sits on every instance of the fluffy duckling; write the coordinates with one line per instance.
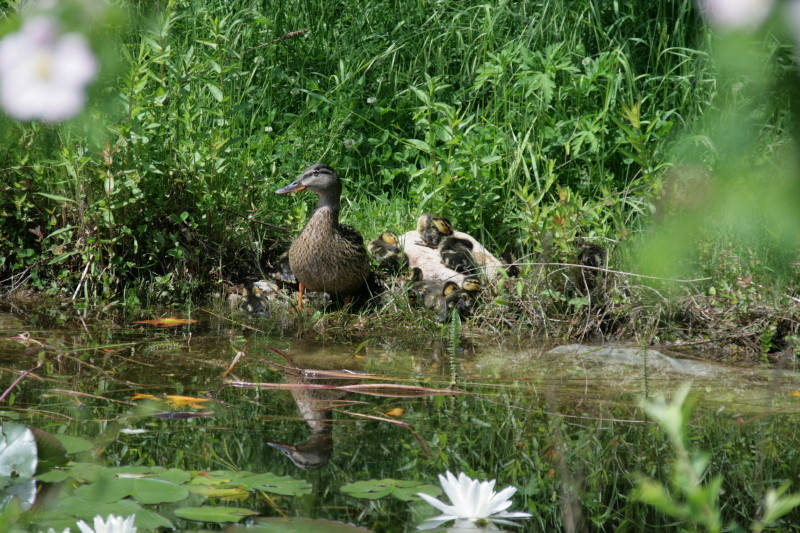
(432, 229)
(444, 297)
(387, 251)
(254, 301)
(457, 254)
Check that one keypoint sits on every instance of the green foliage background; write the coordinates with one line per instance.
(529, 124)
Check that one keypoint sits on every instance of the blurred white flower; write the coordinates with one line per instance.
(794, 20)
(113, 524)
(349, 144)
(371, 100)
(474, 504)
(51, 530)
(44, 74)
(736, 14)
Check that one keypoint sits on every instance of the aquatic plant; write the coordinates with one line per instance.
(692, 495)
(473, 503)
(111, 524)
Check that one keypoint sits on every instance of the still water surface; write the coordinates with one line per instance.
(336, 412)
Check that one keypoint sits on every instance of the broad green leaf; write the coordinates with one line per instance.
(420, 145)
(227, 493)
(214, 514)
(143, 490)
(215, 92)
(74, 445)
(56, 197)
(296, 525)
(374, 489)
(87, 510)
(284, 485)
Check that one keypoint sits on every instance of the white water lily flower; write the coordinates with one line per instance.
(113, 524)
(736, 14)
(43, 73)
(474, 504)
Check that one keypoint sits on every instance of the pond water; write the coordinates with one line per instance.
(233, 393)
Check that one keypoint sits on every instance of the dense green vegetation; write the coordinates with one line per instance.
(535, 126)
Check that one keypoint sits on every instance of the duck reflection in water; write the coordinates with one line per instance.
(310, 361)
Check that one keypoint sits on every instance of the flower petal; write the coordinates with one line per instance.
(437, 503)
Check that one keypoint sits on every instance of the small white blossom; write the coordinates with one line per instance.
(349, 144)
(113, 524)
(736, 14)
(44, 74)
(133, 431)
(474, 504)
(371, 100)
(51, 530)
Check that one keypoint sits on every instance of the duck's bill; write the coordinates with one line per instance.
(292, 187)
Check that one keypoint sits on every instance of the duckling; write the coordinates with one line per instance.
(326, 256)
(283, 270)
(254, 301)
(510, 264)
(386, 250)
(444, 298)
(441, 297)
(594, 256)
(432, 229)
(457, 254)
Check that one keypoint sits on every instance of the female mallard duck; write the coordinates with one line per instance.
(326, 256)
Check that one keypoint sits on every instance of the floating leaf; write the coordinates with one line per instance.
(187, 401)
(283, 485)
(167, 322)
(375, 489)
(214, 514)
(74, 445)
(87, 510)
(296, 525)
(210, 491)
(143, 490)
(141, 396)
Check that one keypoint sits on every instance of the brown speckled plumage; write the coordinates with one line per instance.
(327, 256)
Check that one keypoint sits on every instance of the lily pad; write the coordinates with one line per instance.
(143, 490)
(214, 514)
(296, 525)
(226, 493)
(87, 510)
(375, 489)
(267, 482)
(283, 485)
(74, 445)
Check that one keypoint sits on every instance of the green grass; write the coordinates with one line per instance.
(530, 125)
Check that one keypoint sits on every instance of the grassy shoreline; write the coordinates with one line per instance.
(534, 127)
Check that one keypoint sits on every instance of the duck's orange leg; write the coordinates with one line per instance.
(300, 295)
